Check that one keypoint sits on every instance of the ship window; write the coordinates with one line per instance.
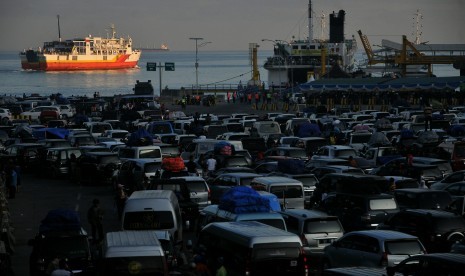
(295, 47)
(312, 46)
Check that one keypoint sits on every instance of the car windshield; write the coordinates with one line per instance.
(360, 139)
(246, 181)
(109, 159)
(268, 128)
(149, 153)
(278, 223)
(196, 186)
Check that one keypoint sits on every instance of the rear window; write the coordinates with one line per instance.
(404, 247)
(383, 204)
(432, 172)
(326, 225)
(278, 223)
(266, 251)
(150, 153)
(196, 186)
(71, 247)
(307, 181)
(246, 181)
(287, 191)
(156, 220)
(345, 153)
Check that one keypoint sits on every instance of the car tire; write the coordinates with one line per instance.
(455, 237)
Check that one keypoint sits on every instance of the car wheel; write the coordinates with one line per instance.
(455, 237)
(5, 120)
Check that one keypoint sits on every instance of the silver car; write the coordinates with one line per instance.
(372, 248)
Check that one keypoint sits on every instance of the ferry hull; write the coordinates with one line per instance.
(66, 63)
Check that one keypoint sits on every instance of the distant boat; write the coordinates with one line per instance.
(89, 53)
(163, 47)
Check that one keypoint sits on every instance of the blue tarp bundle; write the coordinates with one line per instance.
(140, 137)
(50, 133)
(309, 130)
(243, 199)
(60, 220)
(291, 166)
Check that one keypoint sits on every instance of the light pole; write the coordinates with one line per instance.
(197, 46)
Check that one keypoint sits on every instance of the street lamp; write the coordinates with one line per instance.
(197, 46)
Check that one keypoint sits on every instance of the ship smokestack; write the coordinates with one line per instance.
(310, 23)
(59, 31)
(336, 27)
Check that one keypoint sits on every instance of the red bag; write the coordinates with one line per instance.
(173, 164)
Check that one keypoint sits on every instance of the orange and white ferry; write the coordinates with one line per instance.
(89, 53)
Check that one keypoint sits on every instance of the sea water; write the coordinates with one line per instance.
(220, 68)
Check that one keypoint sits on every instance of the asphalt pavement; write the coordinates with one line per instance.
(38, 195)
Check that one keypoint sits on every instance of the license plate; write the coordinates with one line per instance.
(325, 241)
(293, 263)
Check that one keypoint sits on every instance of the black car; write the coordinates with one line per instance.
(97, 167)
(25, 154)
(359, 211)
(418, 198)
(60, 236)
(430, 264)
(436, 229)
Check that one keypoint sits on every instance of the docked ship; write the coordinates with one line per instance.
(163, 48)
(297, 61)
(88, 53)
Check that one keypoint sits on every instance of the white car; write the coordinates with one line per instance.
(67, 111)
(34, 113)
(5, 115)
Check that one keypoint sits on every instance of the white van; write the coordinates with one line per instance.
(151, 153)
(201, 146)
(213, 213)
(266, 128)
(153, 210)
(133, 252)
(289, 191)
(252, 248)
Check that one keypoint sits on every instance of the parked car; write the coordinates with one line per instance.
(454, 177)
(316, 230)
(5, 116)
(135, 174)
(98, 168)
(25, 154)
(323, 170)
(372, 248)
(360, 211)
(436, 229)
(430, 264)
(226, 181)
(58, 161)
(418, 198)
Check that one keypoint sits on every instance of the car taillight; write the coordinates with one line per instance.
(248, 263)
(304, 260)
(209, 194)
(384, 259)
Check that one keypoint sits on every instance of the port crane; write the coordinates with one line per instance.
(399, 56)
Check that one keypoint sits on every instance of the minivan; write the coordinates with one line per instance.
(153, 210)
(129, 251)
(289, 191)
(152, 153)
(252, 248)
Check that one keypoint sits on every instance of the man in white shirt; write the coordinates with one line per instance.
(211, 165)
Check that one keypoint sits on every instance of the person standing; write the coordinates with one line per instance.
(95, 216)
(211, 165)
(120, 200)
(63, 269)
(191, 166)
(428, 112)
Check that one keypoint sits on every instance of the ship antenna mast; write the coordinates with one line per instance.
(323, 26)
(113, 32)
(310, 23)
(418, 26)
(59, 31)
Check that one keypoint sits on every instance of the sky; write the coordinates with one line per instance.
(227, 24)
